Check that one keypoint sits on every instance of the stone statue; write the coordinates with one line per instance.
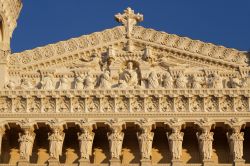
(47, 82)
(115, 138)
(129, 77)
(11, 85)
(64, 83)
(245, 83)
(215, 81)
(86, 141)
(89, 83)
(181, 81)
(78, 84)
(234, 82)
(26, 84)
(236, 144)
(175, 144)
(56, 139)
(168, 81)
(105, 80)
(26, 144)
(205, 140)
(145, 139)
(196, 82)
(153, 81)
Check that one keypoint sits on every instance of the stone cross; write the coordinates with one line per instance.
(129, 19)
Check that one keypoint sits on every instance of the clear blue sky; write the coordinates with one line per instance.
(223, 22)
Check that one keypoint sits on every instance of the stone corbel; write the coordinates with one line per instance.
(205, 140)
(235, 139)
(115, 137)
(145, 139)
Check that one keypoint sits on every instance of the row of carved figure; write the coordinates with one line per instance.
(145, 139)
(129, 78)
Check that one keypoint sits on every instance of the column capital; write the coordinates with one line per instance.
(205, 124)
(86, 124)
(235, 124)
(27, 124)
(175, 124)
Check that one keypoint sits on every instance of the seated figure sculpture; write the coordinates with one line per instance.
(129, 77)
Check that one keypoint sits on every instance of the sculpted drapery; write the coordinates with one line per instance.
(26, 143)
(205, 140)
(115, 138)
(145, 138)
(236, 144)
(175, 144)
(86, 141)
(56, 139)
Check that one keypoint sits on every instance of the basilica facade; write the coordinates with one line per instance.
(123, 96)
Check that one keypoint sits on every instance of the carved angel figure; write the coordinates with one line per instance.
(64, 83)
(105, 80)
(78, 84)
(205, 140)
(129, 77)
(168, 81)
(175, 144)
(115, 142)
(145, 141)
(153, 81)
(26, 144)
(86, 141)
(47, 82)
(181, 81)
(89, 83)
(26, 84)
(215, 81)
(56, 139)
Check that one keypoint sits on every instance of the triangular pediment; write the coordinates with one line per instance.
(113, 49)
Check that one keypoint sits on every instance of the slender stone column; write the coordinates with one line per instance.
(115, 137)
(235, 139)
(205, 140)
(56, 138)
(145, 138)
(85, 138)
(175, 139)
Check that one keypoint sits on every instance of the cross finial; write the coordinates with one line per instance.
(129, 19)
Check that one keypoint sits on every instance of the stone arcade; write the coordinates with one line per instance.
(124, 96)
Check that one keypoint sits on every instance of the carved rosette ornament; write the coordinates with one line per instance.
(115, 137)
(175, 138)
(205, 139)
(145, 138)
(235, 139)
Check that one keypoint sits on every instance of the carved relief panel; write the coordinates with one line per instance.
(19, 105)
(181, 104)
(122, 104)
(196, 104)
(78, 104)
(166, 104)
(211, 104)
(63, 104)
(137, 104)
(49, 105)
(226, 104)
(108, 104)
(5, 105)
(152, 104)
(34, 105)
(92, 104)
